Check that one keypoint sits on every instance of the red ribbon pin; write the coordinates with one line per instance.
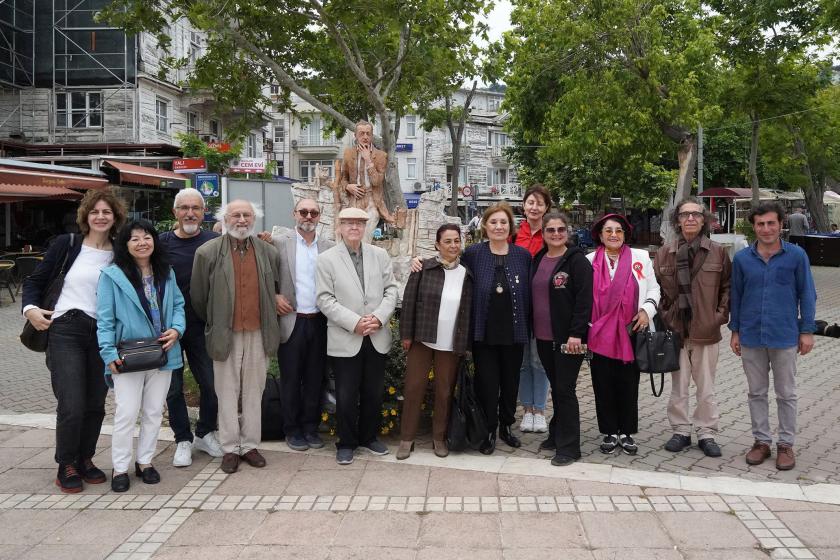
(637, 266)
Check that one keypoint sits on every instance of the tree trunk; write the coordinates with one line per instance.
(687, 158)
(813, 190)
(392, 192)
(753, 165)
(456, 172)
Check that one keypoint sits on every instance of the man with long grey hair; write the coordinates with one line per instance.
(694, 275)
(234, 288)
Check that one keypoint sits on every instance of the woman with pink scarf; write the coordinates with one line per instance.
(624, 299)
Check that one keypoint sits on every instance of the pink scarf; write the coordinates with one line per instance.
(614, 303)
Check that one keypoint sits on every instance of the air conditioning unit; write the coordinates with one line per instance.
(294, 143)
(268, 145)
(207, 138)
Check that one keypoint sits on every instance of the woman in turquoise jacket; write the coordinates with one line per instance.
(138, 298)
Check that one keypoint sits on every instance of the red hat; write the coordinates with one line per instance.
(599, 224)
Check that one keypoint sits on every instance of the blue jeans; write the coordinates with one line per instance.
(201, 367)
(533, 382)
(78, 382)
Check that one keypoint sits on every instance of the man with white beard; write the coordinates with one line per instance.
(181, 246)
(235, 290)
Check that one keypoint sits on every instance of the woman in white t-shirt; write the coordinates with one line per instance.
(72, 350)
(434, 329)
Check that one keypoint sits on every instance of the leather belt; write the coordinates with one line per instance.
(309, 315)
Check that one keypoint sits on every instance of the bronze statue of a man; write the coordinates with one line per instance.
(362, 178)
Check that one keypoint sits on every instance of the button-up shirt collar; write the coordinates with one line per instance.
(306, 257)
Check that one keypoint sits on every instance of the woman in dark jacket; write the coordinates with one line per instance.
(500, 326)
(434, 329)
(72, 351)
(561, 296)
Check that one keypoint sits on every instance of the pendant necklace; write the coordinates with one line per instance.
(499, 288)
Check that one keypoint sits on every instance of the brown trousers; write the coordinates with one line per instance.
(418, 363)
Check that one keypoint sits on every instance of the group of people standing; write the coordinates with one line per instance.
(529, 307)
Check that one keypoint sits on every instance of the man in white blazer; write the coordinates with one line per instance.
(357, 293)
(302, 353)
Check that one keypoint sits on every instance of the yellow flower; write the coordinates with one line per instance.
(384, 431)
(393, 412)
(390, 424)
(391, 390)
(332, 431)
(431, 375)
(325, 417)
(384, 413)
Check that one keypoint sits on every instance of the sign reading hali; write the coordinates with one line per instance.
(189, 165)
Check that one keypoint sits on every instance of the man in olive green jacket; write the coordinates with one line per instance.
(234, 291)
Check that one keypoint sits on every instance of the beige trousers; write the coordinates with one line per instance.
(242, 375)
(697, 362)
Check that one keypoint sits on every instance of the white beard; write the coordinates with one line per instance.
(190, 229)
(241, 234)
(306, 226)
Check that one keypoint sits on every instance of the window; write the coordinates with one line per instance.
(78, 109)
(462, 175)
(411, 168)
(411, 126)
(307, 167)
(497, 176)
(497, 138)
(215, 129)
(494, 103)
(192, 123)
(281, 168)
(279, 133)
(251, 146)
(275, 89)
(195, 47)
(162, 116)
(312, 134)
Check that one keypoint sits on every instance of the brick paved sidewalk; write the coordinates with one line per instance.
(25, 387)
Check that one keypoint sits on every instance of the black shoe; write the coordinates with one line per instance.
(297, 443)
(488, 446)
(562, 460)
(149, 474)
(709, 447)
(90, 473)
(609, 444)
(677, 443)
(68, 479)
(120, 483)
(548, 444)
(506, 436)
(628, 445)
(314, 440)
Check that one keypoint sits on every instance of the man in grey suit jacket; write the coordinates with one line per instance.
(357, 293)
(302, 353)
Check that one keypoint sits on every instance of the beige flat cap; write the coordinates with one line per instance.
(352, 214)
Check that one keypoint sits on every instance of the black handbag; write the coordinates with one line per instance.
(456, 433)
(272, 411)
(657, 352)
(31, 337)
(140, 354)
(474, 420)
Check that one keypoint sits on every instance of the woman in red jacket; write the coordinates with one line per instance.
(533, 382)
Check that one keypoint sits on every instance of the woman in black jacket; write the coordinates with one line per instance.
(561, 296)
(434, 328)
(72, 350)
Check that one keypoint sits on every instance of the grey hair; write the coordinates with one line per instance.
(222, 212)
(708, 217)
(363, 123)
(183, 193)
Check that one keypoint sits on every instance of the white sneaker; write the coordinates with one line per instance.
(540, 425)
(209, 444)
(527, 424)
(183, 455)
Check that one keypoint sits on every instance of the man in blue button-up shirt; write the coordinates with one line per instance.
(773, 300)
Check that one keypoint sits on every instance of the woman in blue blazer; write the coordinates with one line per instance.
(138, 298)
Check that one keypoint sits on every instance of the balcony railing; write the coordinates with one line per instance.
(330, 141)
(502, 190)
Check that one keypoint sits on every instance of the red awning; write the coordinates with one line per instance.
(9, 175)
(19, 192)
(722, 192)
(151, 176)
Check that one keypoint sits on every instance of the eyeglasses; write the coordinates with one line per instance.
(195, 209)
(611, 231)
(354, 223)
(687, 215)
(551, 230)
(241, 216)
(305, 213)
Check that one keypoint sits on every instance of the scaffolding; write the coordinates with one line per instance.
(17, 54)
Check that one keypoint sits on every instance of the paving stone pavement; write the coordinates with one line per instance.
(25, 387)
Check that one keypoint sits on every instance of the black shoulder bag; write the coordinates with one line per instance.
(31, 337)
(657, 352)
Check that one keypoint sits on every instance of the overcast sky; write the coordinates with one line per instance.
(499, 19)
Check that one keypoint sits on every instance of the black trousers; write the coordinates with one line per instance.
(194, 345)
(358, 394)
(616, 387)
(562, 371)
(302, 361)
(77, 376)
(497, 381)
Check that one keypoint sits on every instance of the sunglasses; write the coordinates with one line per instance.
(306, 213)
(687, 215)
(561, 229)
